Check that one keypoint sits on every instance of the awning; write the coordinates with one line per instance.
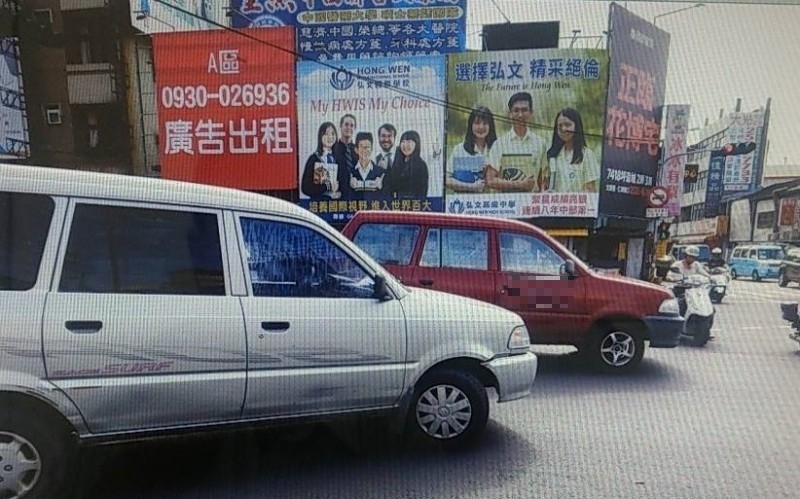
(576, 232)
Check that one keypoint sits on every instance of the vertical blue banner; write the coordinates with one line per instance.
(360, 29)
(716, 169)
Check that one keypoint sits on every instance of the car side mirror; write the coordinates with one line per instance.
(380, 290)
(568, 269)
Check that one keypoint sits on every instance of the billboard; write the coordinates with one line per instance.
(341, 29)
(524, 132)
(639, 53)
(742, 171)
(13, 128)
(673, 170)
(339, 106)
(166, 16)
(226, 108)
(716, 166)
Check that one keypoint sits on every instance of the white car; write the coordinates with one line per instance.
(135, 307)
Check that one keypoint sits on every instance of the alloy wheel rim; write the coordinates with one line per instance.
(617, 349)
(20, 466)
(443, 412)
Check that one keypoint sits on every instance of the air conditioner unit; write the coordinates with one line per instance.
(53, 113)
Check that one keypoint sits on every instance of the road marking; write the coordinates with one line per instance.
(753, 327)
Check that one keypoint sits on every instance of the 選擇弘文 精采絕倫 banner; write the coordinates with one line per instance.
(524, 132)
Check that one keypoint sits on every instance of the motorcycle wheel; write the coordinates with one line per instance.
(699, 329)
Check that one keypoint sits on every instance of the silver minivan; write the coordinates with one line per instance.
(135, 307)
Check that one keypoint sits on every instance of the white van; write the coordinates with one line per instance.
(135, 307)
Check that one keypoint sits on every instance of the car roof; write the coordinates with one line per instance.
(66, 182)
(451, 219)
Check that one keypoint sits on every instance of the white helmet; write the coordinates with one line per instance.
(716, 251)
(693, 251)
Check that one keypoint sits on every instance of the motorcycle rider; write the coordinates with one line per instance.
(688, 266)
(716, 259)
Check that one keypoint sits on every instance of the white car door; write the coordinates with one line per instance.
(140, 329)
(318, 339)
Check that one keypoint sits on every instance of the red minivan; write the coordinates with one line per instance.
(519, 267)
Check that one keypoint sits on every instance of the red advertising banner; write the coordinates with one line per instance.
(787, 214)
(226, 107)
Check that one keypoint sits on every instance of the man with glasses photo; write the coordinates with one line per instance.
(519, 156)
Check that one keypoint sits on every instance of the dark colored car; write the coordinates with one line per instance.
(790, 267)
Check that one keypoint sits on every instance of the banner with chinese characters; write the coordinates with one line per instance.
(672, 170)
(345, 29)
(639, 52)
(741, 175)
(716, 166)
(524, 132)
(371, 136)
(226, 108)
(13, 126)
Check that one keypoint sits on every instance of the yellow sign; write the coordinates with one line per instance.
(661, 249)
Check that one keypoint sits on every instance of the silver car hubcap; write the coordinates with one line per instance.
(20, 466)
(617, 349)
(444, 412)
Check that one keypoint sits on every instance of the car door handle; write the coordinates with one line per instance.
(426, 282)
(84, 327)
(275, 326)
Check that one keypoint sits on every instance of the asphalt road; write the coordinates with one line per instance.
(718, 422)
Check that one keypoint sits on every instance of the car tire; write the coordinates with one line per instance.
(616, 348)
(446, 400)
(34, 457)
(783, 281)
(755, 276)
(733, 274)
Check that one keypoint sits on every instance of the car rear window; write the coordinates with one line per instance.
(388, 244)
(24, 222)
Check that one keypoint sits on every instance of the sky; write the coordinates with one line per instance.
(718, 53)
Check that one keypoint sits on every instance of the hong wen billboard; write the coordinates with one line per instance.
(523, 132)
(226, 107)
(639, 52)
(367, 140)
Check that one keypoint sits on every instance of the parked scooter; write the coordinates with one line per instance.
(695, 306)
(789, 313)
(720, 276)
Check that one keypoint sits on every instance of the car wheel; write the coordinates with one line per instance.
(617, 348)
(783, 281)
(733, 274)
(33, 458)
(449, 409)
(756, 277)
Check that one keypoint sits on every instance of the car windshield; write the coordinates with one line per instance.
(770, 254)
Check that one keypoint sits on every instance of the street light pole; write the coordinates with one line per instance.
(679, 10)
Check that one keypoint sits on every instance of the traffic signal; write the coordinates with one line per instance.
(663, 231)
(737, 148)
